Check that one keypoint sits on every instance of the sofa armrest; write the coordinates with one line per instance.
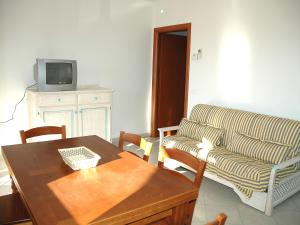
(286, 163)
(162, 131)
(275, 168)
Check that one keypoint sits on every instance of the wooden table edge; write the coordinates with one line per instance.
(150, 209)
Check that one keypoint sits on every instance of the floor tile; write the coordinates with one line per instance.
(197, 221)
(231, 211)
(250, 216)
(287, 218)
(288, 205)
(199, 213)
(296, 199)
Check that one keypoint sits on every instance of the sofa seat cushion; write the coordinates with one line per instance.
(194, 147)
(247, 174)
(264, 150)
(173, 141)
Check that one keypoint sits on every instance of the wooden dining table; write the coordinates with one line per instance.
(122, 189)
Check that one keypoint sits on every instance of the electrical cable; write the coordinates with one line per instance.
(15, 109)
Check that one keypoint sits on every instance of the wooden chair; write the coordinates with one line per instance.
(39, 131)
(189, 160)
(136, 140)
(12, 209)
(220, 220)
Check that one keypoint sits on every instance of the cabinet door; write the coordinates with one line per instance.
(60, 116)
(94, 120)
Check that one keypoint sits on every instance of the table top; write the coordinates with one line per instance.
(121, 189)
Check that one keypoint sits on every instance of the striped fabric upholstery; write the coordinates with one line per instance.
(268, 128)
(211, 134)
(193, 130)
(227, 119)
(200, 112)
(263, 150)
(248, 174)
(190, 146)
(184, 143)
(169, 141)
(242, 123)
(187, 128)
(276, 130)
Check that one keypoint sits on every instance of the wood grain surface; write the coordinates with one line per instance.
(122, 189)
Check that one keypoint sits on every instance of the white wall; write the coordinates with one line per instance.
(110, 39)
(251, 52)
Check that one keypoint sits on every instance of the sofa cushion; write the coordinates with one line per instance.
(209, 134)
(200, 132)
(187, 128)
(196, 148)
(171, 141)
(182, 143)
(267, 151)
(248, 174)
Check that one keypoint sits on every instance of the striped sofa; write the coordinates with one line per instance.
(257, 155)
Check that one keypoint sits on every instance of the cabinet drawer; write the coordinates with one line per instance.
(94, 98)
(56, 100)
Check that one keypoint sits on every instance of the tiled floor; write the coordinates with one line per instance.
(215, 198)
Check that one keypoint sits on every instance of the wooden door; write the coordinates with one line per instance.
(94, 120)
(171, 79)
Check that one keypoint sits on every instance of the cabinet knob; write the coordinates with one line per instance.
(95, 98)
(59, 99)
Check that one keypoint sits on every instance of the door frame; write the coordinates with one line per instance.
(157, 31)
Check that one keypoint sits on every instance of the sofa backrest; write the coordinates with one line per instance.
(263, 127)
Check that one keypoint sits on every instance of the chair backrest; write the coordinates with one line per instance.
(220, 220)
(39, 131)
(185, 158)
(136, 140)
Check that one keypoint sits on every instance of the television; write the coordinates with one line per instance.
(56, 74)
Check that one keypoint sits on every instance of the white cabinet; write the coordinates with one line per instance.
(86, 111)
(94, 120)
(57, 116)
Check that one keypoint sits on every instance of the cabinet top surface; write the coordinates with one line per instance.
(80, 89)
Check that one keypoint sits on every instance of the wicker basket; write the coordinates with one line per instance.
(79, 158)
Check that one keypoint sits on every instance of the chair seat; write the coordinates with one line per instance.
(12, 210)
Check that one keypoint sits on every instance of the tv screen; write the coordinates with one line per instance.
(59, 73)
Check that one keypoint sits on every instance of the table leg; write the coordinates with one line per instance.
(190, 211)
(180, 215)
(13, 186)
